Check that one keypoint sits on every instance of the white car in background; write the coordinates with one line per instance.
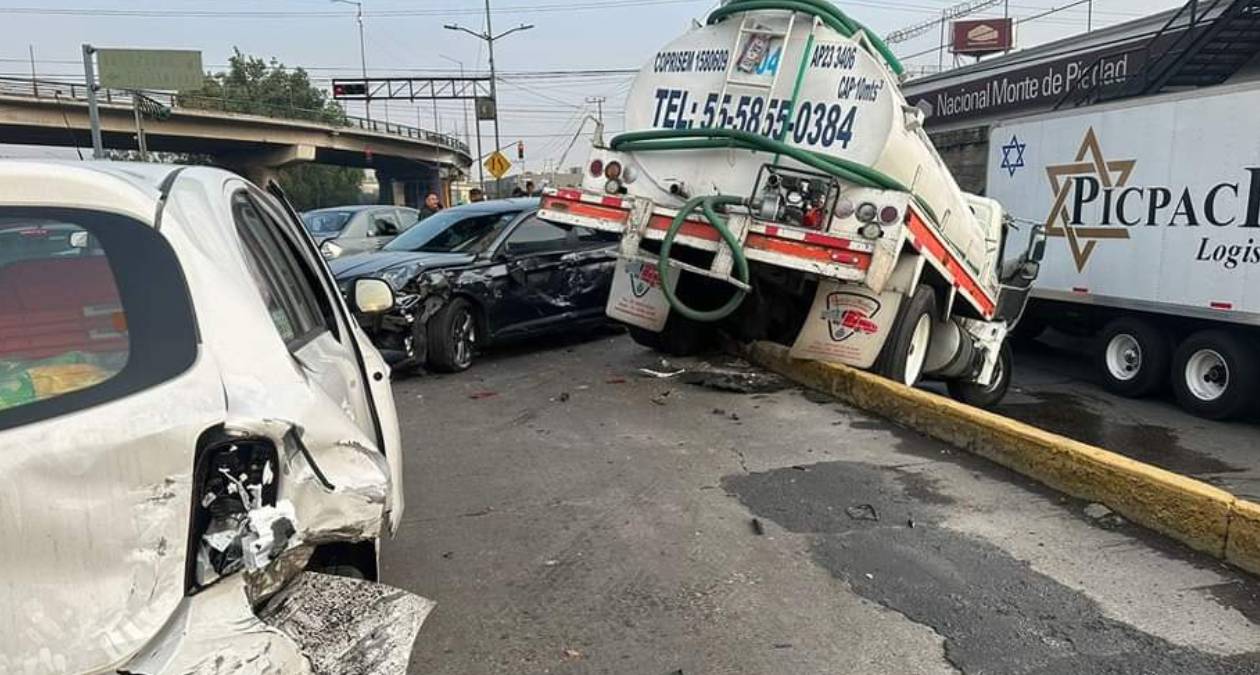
(192, 429)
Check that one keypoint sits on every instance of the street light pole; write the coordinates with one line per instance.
(358, 16)
(461, 75)
(489, 37)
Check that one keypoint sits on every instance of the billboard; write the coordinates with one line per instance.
(976, 37)
(165, 69)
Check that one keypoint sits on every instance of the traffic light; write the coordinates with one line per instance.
(344, 89)
(520, 149)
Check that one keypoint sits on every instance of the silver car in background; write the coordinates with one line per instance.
(358, 228)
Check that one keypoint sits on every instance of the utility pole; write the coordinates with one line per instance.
(461, 74)
(599, 106)
(358, 16)
(94, 112)
(489, 37)
(34, 77)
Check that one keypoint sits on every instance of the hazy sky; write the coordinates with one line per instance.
(405, 37)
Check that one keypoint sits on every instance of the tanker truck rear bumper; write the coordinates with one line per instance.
(816, 253)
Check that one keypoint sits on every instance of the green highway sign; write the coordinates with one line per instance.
(165, 69)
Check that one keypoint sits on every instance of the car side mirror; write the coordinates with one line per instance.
(79, 240)
(1036, 245)
(371, 296)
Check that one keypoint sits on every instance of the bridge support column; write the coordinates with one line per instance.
(260, 167)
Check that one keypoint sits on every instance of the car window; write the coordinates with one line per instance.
(589, 238)
(93, 306)
(453, 231)
(326, 223)
(383, 223)
(407, 218)
(290, 300)
(535, 235)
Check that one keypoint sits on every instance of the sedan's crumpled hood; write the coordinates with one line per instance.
(369, 264)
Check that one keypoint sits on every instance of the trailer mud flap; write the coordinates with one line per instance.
(636, 297)
(847, 324)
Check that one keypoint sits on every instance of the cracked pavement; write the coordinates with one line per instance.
(610, 531)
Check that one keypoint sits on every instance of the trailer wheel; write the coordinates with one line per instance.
(907, 347)
(681, 336)
(986, 397)
(1133, 357)
(1215, 374)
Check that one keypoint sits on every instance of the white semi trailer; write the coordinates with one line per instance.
(774, 182)
(1152, 208)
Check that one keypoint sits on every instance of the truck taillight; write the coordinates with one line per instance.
(597, 167)
(612, 171)
(888, 215)
(845, 208)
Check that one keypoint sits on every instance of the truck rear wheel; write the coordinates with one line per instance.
(1215, 374)
(906, 349)
(1133, 357)
(980, 396)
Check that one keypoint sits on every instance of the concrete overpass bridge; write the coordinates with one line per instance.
(409, 162)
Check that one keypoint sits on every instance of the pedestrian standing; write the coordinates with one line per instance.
(431, 206)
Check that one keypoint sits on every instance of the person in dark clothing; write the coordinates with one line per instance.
(430, 207)
(518, 192)
(530, 191)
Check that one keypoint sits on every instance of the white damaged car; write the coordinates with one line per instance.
(198, 446)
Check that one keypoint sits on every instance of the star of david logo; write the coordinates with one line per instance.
(1110, 173)
(1016, 149)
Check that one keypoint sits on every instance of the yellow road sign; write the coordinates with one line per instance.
(497, 164)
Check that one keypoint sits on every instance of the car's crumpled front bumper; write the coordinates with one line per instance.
(316, 623)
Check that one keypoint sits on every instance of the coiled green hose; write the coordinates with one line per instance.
(713, 139)
(827, 12)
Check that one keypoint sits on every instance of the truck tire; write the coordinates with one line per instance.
(1132, 356)
(906, 349)
(1216, 374)
(681, 336)
(979, 396)
(453, 337)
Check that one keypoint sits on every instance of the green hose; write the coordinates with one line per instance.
(709, 205)
(717, 139)
(711, 139)
(827, 12)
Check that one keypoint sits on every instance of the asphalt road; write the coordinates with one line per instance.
(1055, 388)
(571, 516)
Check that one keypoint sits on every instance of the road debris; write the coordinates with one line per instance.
(862, 512)
(477, 396)
(1096, 511)
(660, 398)
(737, 376)
(615, 380)
(661, 374)
(572, 653)
(561, 397)
(757, 527)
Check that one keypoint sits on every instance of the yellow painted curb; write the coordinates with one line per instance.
(1199, 515)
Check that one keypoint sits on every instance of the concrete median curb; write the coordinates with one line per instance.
(1199, 515)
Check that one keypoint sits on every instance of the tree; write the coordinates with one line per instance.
(254, 86)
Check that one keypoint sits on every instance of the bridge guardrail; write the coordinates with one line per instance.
(54, 89)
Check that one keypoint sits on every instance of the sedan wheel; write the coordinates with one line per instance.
(453, 337)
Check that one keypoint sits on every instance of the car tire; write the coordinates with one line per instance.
(1216, 374)
(453, 337)
(979, 396)
(1132, 357)
(905, 351)
(681, 336)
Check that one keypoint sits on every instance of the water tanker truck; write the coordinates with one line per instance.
(774, 184)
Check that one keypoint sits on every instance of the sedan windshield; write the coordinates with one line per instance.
(453, 231)
(326, 222)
